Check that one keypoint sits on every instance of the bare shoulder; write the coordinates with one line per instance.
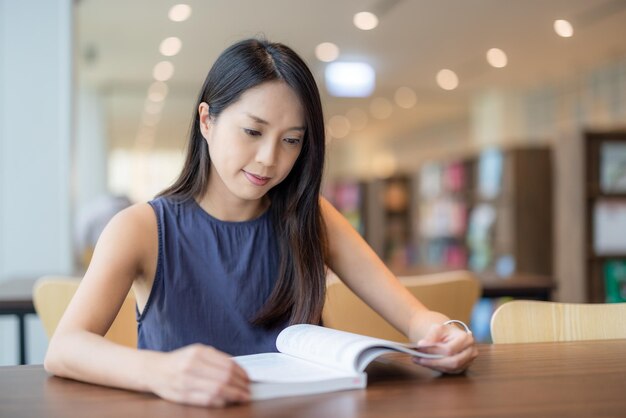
(134, 221)
(131, 235)
(124, 249)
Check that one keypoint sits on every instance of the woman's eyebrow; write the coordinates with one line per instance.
(264, 122)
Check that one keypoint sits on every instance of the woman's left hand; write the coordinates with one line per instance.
(455, 344)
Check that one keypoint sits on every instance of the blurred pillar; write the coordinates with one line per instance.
(35, 136)
(90, 177)
(36, 74)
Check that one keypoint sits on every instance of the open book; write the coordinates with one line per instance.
(314, 359)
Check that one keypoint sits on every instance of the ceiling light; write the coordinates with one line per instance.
(563, 28)
(163, 71)
(447, 79)
(365, 20)
(157, 92)
(179, 13)
(327, 51)
(357, 118)
(170, 46)
(339, 126)
(350, 79)
(405, 97)
(381, 108)
(497, 58)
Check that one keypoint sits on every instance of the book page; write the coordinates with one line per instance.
(282, 368)
(337, 349)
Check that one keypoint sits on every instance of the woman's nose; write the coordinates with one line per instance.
(267, 152)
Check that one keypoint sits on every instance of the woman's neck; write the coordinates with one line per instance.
(232, 211)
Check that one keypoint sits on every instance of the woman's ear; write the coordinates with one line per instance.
(205, 119)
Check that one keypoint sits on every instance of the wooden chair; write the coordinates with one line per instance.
(453, 294)
(52, 295)
(523, 321)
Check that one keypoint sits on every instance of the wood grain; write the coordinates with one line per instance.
(578, 379)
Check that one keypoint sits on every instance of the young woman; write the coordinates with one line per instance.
(235, 250)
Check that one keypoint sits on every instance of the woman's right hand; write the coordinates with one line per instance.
(199, 375)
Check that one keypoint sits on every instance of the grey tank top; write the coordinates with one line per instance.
(212, 277)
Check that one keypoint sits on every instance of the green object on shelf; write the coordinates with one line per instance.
(615, 281)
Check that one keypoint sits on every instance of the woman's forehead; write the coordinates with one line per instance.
(271, 102)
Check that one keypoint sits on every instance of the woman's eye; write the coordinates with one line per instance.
(252, 132)
(293, 141)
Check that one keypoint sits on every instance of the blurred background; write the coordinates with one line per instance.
(482, 135)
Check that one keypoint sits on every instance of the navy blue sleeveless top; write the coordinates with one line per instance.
(212, 277)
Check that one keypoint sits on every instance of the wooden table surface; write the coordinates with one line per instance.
(582, 379)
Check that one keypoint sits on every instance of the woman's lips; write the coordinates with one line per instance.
(256, 180)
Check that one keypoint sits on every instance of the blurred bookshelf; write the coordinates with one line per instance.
(442, 201)
(388, 220)
(347, 196)
(489, 213)
(605, 216)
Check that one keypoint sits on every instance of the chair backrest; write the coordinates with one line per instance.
(452, 293)
(52, 295)
(525, 321)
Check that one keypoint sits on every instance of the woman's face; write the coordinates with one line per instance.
(254, 142)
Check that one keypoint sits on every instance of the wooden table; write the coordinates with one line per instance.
(583, 379)
(16, 298)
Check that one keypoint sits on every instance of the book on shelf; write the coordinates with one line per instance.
(454, 176)
(479, 236)
(613, 167)
(430, 180)
(609, 222)
(314, 359)
(490, 168)
(615, 281)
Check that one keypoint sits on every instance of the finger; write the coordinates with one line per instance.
(451, 364)
(200, 398)
(220, 361)
(449, 340)
(457, 342)
(211, 392)
(431, 349)
(222, 375)
(230, 394)
(435, 341)
(231, 372)
(446, 363)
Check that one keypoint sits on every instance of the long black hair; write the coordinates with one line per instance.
(299, 293)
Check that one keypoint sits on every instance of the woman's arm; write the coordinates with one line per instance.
(352, 259)
(127, 249)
